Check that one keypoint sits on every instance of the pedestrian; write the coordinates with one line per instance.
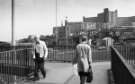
(89, 41)
(40, 55)
(83, 52)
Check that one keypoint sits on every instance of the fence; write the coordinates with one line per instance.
(128, 52)
(15, 64)
(7, 47)
(123, 72)
(67, 55)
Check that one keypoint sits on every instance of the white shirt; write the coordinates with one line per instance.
(41, 48)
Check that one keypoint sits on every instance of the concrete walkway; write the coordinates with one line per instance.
(99, 72)
(57, 73)
(62, 73)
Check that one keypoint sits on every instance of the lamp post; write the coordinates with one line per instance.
(12, 22)
(56, 39)
(13, 30)
(56, 11)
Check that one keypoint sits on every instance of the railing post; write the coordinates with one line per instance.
(15, 60)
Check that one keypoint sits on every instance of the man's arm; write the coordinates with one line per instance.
(45, 51)
(90, 55)
(33, 51)
(75, 59)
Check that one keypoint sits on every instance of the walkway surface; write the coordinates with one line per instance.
(62, 73)
(100, 74)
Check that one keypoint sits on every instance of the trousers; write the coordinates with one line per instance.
(39, 66)
(83, 77)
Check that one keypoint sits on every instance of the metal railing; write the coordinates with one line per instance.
(123, 72)
(128, 52)
(67, 55)
(15, 64)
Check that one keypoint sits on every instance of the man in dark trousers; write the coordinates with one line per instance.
(40, 54)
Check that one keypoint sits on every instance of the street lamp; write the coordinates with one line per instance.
(12, 22)
(13, 30)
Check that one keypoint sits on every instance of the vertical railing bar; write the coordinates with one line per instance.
(7, 64)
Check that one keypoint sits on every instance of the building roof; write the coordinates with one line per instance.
(89, 19)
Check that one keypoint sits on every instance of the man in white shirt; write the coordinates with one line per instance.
(40, 54)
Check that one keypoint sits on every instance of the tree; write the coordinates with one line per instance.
(26, 40)
(49, 39)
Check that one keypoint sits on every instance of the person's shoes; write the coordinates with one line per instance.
(36, 78)
(44, 77)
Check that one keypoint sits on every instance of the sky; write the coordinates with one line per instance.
(37, 17)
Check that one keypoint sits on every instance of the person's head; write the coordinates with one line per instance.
(36, 39)
(83, 38)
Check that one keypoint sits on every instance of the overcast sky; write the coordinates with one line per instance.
(39, 16)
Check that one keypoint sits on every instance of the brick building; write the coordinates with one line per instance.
(126, 21)
(73, 28)
(109, 19)
(106, 19)
(91, 25)
(60, 34)
(89, 28)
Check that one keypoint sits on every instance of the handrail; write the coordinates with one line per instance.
(14, 50)
(18, 62)
(122, 71)
(19, 57)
